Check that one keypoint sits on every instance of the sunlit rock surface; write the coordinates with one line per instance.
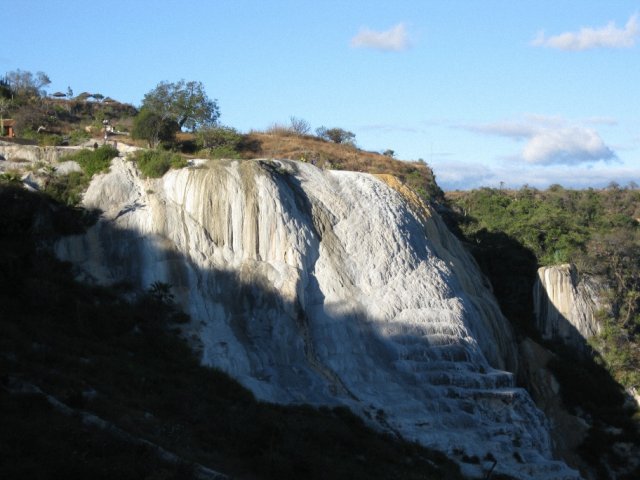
(566, 306)
(326, 287)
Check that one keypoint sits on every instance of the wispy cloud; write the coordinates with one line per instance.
(601, 121)
(551, 140)
(396, 39)
(588, 38)
(464, 176)
(390, 128)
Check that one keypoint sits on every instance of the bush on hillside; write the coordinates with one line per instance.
(50, 140)
(221, 142)
(155, 163)
(94, 161)
(67, 189)
(296, 127)
(76, 137)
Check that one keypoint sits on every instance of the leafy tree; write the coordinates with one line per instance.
(186, 103)
(152, 127)
(336, 135)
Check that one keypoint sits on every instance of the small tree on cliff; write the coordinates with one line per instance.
(186, 103)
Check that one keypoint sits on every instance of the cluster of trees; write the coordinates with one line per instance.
(167, 109)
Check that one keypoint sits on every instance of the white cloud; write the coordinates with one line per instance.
(570, 146)
(395, 39)
(515, 130)
(587, 38)
(551, 140)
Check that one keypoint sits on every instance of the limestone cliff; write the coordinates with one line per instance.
(565, 306)
(326, 287)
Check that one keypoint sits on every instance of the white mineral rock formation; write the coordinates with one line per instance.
(27, 153)
(565, 306)
(326, 287)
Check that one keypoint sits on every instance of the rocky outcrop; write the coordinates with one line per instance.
(18, 157)
(326, 287)
(14, 153)
(566, 305)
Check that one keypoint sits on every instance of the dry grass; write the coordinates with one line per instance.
(324, 154)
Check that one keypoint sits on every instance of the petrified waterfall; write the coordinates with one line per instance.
(565, 305)
(326, 287)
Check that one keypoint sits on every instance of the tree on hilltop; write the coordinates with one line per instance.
(336, 135)
(26, 84)
(186, 103)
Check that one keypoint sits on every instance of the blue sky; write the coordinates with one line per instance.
(527, 92)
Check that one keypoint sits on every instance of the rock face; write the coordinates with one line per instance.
(326, 287)
(14, 153)
(565, 306)
(567, 429)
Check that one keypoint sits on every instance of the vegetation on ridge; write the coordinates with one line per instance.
(172, 107)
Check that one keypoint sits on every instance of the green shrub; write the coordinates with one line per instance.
(155, 163)
(50, 140)
(223, 151)
(95, 161)
(67, 189)
(78, 136)
(10, 177)
(221, 142)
